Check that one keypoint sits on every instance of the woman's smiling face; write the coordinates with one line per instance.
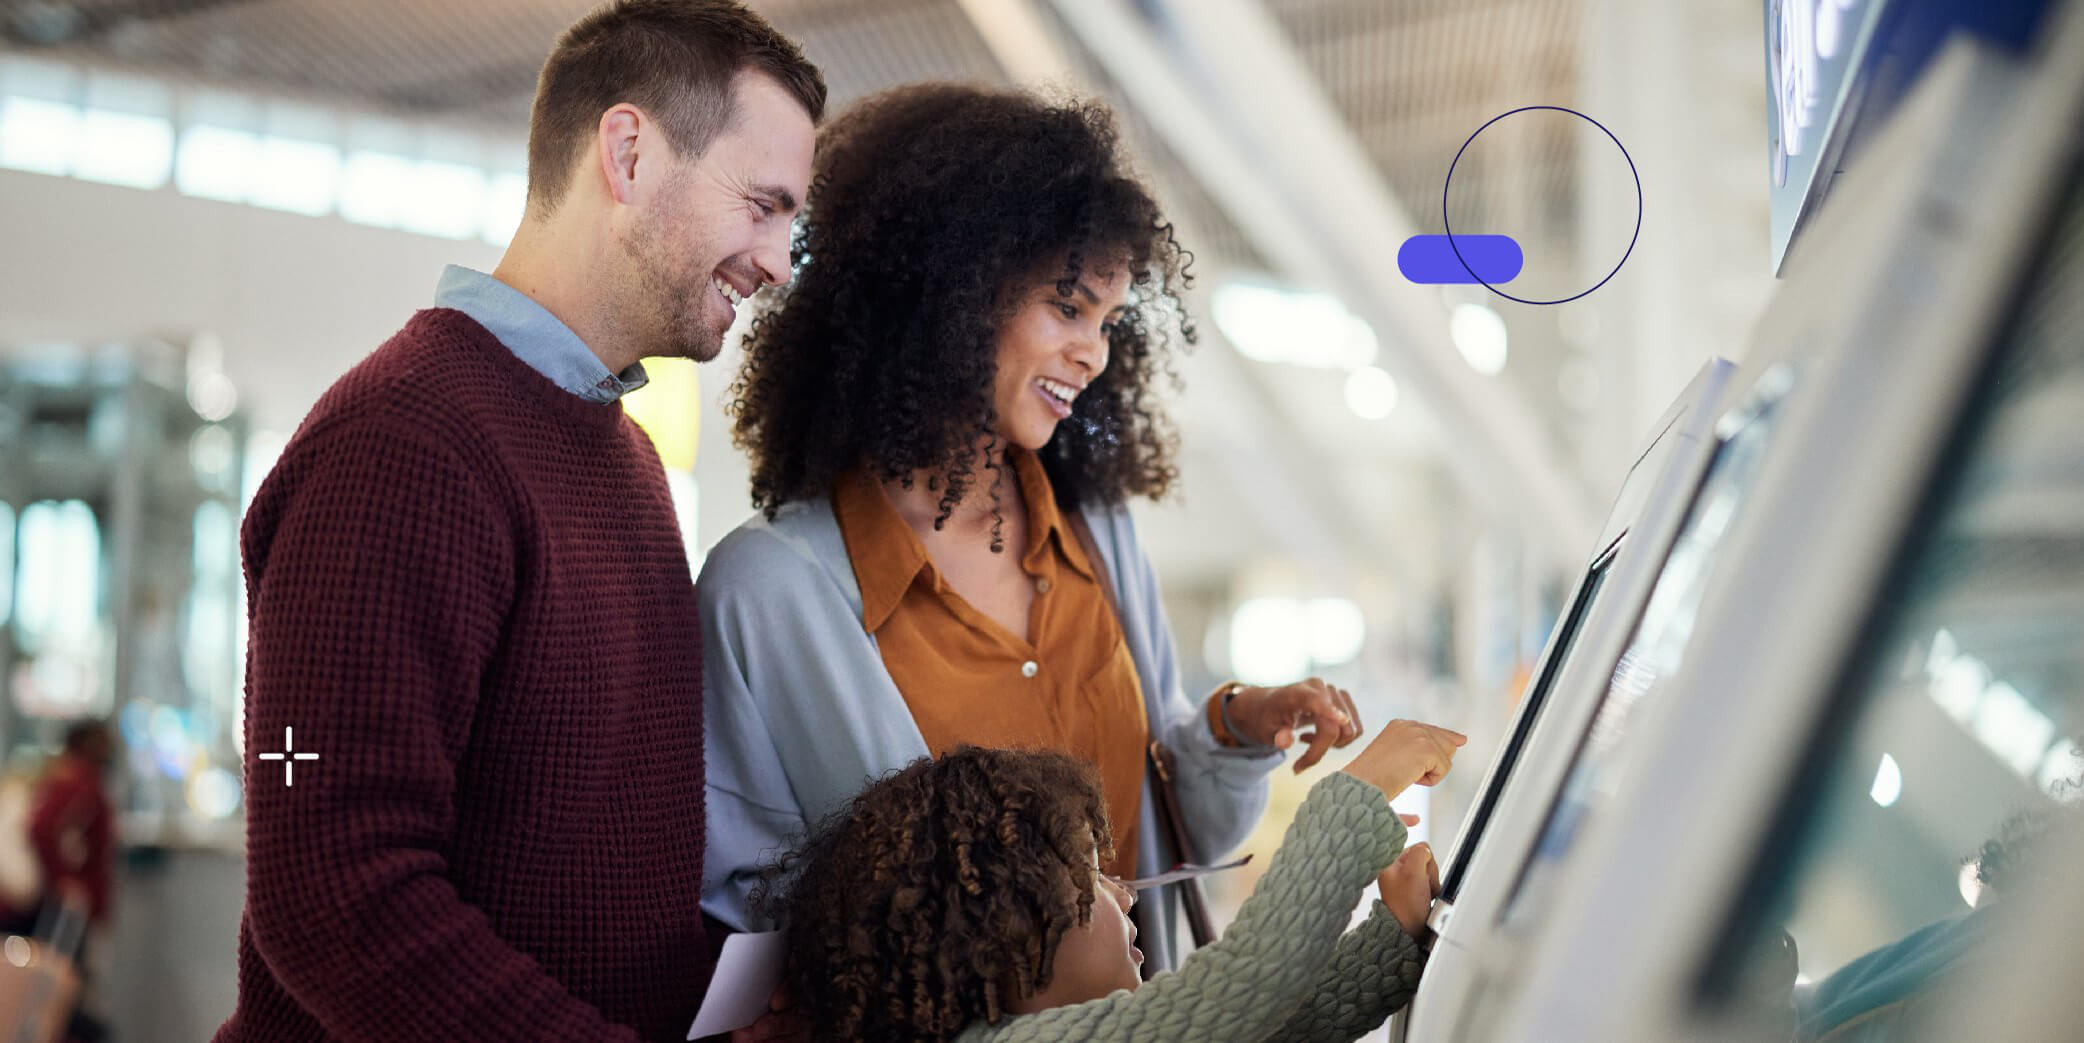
(1051, 348)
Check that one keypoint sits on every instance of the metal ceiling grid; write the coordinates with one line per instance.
(1414, 78)
(463, 60)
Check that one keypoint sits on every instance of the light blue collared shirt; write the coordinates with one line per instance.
(534, 335)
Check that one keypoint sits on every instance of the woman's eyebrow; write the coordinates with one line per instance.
(1094, 298)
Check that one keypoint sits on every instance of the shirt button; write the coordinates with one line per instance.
(1029, 668)
(1041, 586)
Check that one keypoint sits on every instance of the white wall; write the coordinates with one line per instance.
(295, 300)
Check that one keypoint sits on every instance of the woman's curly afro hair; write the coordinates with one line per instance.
(930, 206)
(914, 909)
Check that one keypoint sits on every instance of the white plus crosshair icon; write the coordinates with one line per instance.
(289, 767)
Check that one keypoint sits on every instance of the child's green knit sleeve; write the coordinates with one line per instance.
(1373, 975)
(1269, 964)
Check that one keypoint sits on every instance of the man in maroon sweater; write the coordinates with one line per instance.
(473, 688)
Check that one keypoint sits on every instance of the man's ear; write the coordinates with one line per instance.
(616, 150)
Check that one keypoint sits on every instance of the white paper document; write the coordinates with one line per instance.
(746, 974)
(1186, 871)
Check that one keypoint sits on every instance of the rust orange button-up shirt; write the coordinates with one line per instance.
(1069, 684)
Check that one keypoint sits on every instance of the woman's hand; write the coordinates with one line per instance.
(1273, 716)
(1406, 752)
(1409, 886)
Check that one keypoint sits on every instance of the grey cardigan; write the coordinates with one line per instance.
(800, 714)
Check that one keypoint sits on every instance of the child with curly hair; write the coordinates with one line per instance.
(962, 899)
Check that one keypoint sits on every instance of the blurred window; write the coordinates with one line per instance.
(139, 132)
(55, 591)
(7, 531)
(126, 137)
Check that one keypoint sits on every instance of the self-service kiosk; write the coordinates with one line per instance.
(1835, 822)
(1637, 533)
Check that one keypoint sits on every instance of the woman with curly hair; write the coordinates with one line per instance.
(946, 410)
(963, 898)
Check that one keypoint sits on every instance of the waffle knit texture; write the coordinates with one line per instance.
(1281, 971)
(468, 595)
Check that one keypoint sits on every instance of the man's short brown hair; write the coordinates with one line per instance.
(674, 59)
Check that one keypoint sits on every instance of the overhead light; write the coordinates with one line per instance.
(447, 200)
(2013, 728)
(38, 136)
(1888, 782)
(1957, 681)
(213, 793)
(1298, 328)
(2007, 723)
(216, 163)
(298, 176)
(374, 187)
(1479, 334)
(1269, 642)
(1971, 883)
(123, 148)
(1371, 393)
(211, 451)
(212, 395)
(1279, 640)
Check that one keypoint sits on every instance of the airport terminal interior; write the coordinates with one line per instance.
(1683, 400)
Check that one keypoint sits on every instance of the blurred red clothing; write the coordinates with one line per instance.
(70, 828)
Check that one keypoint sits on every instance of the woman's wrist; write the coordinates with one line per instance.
(1220, 723)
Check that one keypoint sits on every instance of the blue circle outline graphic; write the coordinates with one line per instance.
(1632, 236)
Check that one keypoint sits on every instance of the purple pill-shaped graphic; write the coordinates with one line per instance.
(1484, 258)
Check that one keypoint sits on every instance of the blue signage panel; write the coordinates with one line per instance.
(1813, 50)
(1836, 69)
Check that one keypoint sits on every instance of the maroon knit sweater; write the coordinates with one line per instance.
(468, 596)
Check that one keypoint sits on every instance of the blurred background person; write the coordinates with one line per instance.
(71, 829)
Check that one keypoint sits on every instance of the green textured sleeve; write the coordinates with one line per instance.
(1372, 976)
(1267, 964)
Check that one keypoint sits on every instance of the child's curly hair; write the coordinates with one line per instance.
(928, 204)
(912, 910)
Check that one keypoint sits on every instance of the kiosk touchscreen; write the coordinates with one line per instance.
(1681, 426)
(1669, 462)
(1656, 647)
